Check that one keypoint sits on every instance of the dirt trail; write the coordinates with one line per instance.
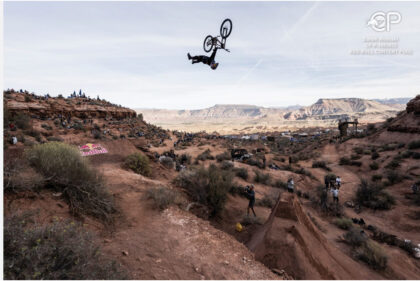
(173, 244)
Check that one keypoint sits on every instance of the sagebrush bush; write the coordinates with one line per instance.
(260, 177)
(395, 163)
(241, 172)
(58, 251)
(320, 164)
(184, 159)
(280, 184)
(267, 201)
(374, 166)
(414, 144)
(372, 254)
(355, 237)
(373, 196)
(206, 155)
(22, 121)
(163, 197)
(358, 150)
(376, 177)
(226, 165)
(345, 161)
(207, 186)
(168, 162)
(394, 177)
(375, 155)
(223, 156)
(139, 163)
(68, 172)
(343, 223)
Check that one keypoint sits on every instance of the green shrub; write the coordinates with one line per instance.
(415, 155)
(226, 165)
(33, 133)
(168, 162)
(376, 177)
(280, 184)
(394, 177)
(389, 147)
(68, 172)
(407, 154)
(223, 156)
(139, 163)
(241, 172)
(238, 190)
(393, 164)
(267, 201)
(372, 254)
(46, 127)
(262, 177)
(344, 161)
(207, 186)
(375, 155)
(302, 171)
(374, 166)
(414, 144)
(373, 196)
(358, 150)
(343, 223)
(206, 155)
(355, 156)
(184, 159)
(22, 121)
(255, 162)
(355, 237)
(163, 197)
(356, 163)
(320, 164)
(61, 250)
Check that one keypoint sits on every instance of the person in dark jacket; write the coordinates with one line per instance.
(251, 195)
(205, 59)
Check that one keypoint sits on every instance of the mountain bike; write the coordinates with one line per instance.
(211, 42)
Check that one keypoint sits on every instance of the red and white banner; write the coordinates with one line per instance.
(92, 149)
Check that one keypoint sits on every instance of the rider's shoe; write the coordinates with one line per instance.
(189, 56)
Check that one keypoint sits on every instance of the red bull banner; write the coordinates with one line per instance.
(92, 149)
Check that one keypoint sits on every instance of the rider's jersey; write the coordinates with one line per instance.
(210, 60)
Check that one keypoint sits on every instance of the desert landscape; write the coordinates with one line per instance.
(93, 190)
(230, 118)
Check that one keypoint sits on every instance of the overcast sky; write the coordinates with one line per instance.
(135, 53)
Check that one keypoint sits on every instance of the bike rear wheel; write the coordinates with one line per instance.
(226, 28)
(208, 43)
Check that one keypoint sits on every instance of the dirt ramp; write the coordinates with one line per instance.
(290, 241)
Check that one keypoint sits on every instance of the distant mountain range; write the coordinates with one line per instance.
(251, 118)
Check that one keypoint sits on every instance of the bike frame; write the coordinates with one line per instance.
(219, 43)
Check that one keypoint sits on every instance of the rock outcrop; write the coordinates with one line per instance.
(414, 105)
(41, 107)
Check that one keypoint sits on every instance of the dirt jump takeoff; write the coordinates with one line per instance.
(214, 43)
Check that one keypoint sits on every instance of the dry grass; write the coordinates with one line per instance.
(61, 250)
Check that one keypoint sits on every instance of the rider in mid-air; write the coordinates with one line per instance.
(205, 59)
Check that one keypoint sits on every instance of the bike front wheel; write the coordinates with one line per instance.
(208, 43)
(226, 28)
